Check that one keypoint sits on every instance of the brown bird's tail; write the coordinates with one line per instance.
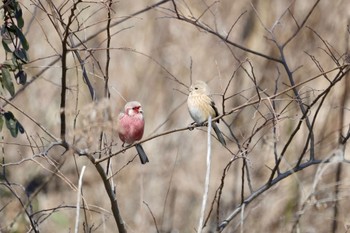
(219, 134)
(142, 154)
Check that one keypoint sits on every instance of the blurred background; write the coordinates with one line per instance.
(153, 58)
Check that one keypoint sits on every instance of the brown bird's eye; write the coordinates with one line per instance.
(196, 88)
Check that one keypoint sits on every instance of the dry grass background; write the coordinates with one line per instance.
(171, 185)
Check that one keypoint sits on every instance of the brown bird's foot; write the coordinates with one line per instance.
(192, 126)
(204, 124)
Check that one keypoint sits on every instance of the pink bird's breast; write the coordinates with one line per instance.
(131, 128)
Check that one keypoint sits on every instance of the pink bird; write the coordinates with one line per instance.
(131, 125)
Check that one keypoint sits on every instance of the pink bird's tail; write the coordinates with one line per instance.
(142, 154)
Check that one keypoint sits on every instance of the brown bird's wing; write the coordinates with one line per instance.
(215, 109)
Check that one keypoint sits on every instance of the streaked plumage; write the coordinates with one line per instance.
(201, 106)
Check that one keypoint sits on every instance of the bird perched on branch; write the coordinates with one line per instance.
(131, 125)
(201, 106)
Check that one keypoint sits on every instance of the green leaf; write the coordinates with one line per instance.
(8, 35)
(21, 37)
(20, 127)
(10, 64)
(15, 61)
(20, 22)
(7, 81)
(11, 123)
(22, 55)
(6, 47)
(1, 123)
(9, 115)
(21, 77)
(19, 34)
(18, 15)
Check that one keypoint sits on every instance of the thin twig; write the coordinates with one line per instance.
(30, 118)
(265, 187)
(154, 219)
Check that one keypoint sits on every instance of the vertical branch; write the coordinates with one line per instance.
(63, 97)
(111, 194)
(275, 120)
(207, 179)
(242, 218)
(321, 96)
(300, 103)
(283, 61)
(243, 174)
(78, 199)
(108, 57)
(336, 194)
(344, 100)
(64, 72)
(292, 82)
(106, 76)
(318, 109)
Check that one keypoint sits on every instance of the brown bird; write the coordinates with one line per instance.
(201, 106)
